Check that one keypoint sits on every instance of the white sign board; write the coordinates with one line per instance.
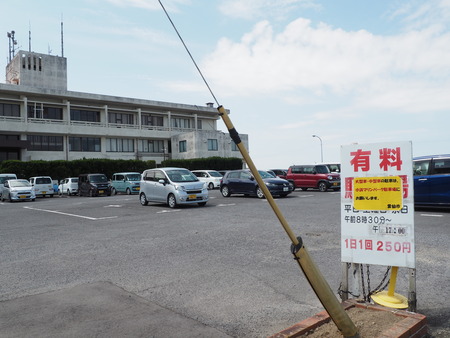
(377, 204)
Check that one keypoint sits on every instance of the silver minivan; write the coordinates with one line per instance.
(173, 186)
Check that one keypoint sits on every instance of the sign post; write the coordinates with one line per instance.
(377, 206)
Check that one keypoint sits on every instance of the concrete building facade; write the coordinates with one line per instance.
(41, 120)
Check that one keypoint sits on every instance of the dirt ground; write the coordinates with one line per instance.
(369, 324)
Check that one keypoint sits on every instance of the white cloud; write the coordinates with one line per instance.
(257, 9)
(319, 61)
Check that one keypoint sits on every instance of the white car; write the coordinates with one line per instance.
(68, 186)
(211, 177)
(3, 179)
(18, 190)
(43, 185)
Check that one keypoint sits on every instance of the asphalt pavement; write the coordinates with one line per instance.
(98, 309)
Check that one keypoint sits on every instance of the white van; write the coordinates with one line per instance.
(43, 186)
(3, 179)
(172, 186)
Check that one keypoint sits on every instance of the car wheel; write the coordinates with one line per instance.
(225, 191)
(171, 201)
(143, 199)
(91, 193)
(259, 192)
(128, 191)
(323, 186)
(304, 189)
(113, 191)
(211, 186)
(68, 192)
(202, 204)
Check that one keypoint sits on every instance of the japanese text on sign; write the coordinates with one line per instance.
(377, 205)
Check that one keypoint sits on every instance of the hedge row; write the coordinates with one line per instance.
(58, 170)
(210, 163)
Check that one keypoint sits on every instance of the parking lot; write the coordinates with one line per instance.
(226, 265)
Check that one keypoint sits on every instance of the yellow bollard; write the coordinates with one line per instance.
(389, 298)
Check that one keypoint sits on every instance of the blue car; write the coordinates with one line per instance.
(432, 180)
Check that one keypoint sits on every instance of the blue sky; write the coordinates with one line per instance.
(349, 71)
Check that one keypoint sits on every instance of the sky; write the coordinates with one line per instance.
(348, 71)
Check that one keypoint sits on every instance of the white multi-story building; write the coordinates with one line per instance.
(41, 120)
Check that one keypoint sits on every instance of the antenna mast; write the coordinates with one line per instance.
(62, 37)
(29, 37)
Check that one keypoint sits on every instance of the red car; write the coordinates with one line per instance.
(316, 176)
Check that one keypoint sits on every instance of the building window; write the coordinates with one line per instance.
(121, 118)
(7, 109)
(181, 123)
(45, 143)
(84, 115)
(199, 124)
(152, 120)
(182, 146)
(84, 144)
(234, 147)
(39, 111)
(151, 146)
(212, 144)
(120, 145)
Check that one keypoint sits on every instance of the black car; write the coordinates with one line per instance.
(243, 182)
(93, 185)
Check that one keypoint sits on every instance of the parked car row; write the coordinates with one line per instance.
(176, 186)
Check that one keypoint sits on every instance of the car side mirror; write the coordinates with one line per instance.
(161, 181)
(252, 178)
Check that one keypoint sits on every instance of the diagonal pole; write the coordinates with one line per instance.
(301, 255)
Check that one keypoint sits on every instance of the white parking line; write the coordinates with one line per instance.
(66, 214)
(431, 215)
(165, 211)
(225, 205)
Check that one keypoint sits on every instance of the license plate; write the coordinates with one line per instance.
(101, 191)
(335, 183)
(285, 188)
(137, 188)
(22, 196)
(192, 197)
(44, 192)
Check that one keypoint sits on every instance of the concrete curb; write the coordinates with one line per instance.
(412, 324)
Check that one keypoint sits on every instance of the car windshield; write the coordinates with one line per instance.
(74, 180)
(134, 177)
(3, 179)
(18, 184)
(215, 173)
(180, 175)
(98, 179)
(265, 174)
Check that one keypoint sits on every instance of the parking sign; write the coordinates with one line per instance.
(377, 204)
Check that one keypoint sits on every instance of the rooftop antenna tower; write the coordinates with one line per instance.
(62, 37)
(12, 43)
(29, 37)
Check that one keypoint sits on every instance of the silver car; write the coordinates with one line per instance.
(18, 190)
(172, 186)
